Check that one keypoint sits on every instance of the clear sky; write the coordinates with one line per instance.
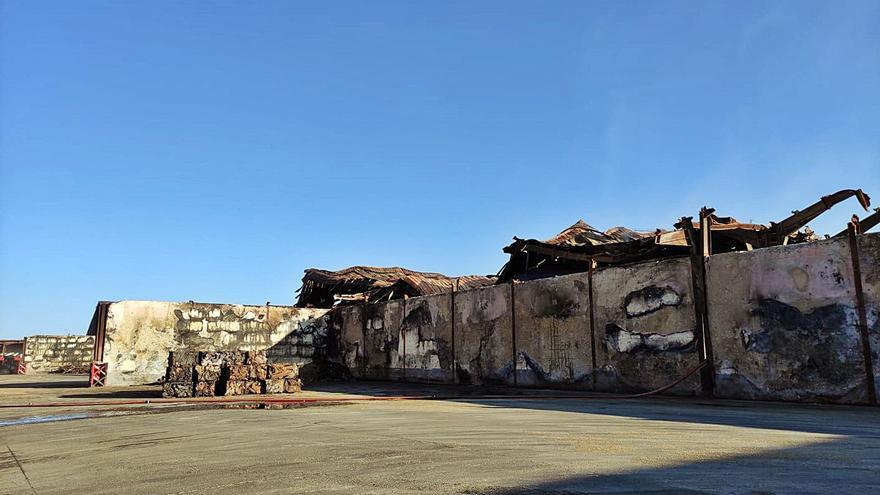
(213, 150)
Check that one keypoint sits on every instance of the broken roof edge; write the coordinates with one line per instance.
(326, 288)
(789, 226)
(369, 268)
(386, 274)
(201, 303)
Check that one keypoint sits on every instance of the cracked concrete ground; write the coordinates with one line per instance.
(476, 446)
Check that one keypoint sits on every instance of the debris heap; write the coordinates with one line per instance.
(207, 374)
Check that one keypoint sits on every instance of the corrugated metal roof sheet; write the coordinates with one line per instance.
(326, 287)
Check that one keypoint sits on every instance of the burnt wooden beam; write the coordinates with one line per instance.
(556, 252)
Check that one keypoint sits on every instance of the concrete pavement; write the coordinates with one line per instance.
(471, 445)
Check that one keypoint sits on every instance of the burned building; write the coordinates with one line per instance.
(325, 288)
(581, 246)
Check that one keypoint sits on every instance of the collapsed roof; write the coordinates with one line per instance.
(325, 288)
(578, 247)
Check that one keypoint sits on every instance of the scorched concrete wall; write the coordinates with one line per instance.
(427, 346)
(348, 323)
(553, 337)
(783, 326)
(643, 333)
(383, 346)
(484, 336)
(869, 255)
(645, 326)
(58, 353)
(408, 340)
(140, 334)
(784, 323)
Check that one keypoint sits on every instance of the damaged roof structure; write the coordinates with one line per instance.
(577, 249)
(582, 246)
(357, 284)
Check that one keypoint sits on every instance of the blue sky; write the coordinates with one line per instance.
(214, 150)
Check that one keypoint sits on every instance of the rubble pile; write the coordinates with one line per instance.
(209, 374)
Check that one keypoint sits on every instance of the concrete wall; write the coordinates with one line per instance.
(57, 353)
(553, 339)
(645, 326)
(784, 323)
(484, 336)
(869, 255)
(348, 324)
(140, 334)
(383, 346)
(643, 339)
(427, 334)
(783, 326)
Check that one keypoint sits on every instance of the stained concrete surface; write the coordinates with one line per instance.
(471, 445)
(141, 333)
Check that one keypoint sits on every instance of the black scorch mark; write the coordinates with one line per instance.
(821, 343)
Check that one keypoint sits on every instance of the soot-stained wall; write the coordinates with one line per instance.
(784, 323)
(348, 324)
(139, 334)
(643, 333)
(645, 327)
(427, 345)
(378, 341)
(384, 345)
(483, 336)
(553, 332)
(869, 255)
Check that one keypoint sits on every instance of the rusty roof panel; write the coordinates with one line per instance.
(324, 288)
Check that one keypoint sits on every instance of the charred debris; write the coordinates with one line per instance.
(577, 249)
(574, 249)
(358, 284)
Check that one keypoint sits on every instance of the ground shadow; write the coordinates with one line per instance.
(117, 394)
(814, 418)
(832, 466)
(58, 384)
(844, 459)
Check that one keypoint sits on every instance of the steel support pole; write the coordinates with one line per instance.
(863, 317)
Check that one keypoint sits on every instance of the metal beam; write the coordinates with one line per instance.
(852, 229)
(698, 284)
(798, 219)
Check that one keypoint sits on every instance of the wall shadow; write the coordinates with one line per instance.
(118, 394)
(847, 462)
(839, 467)
(808, 418)
(811, 418)
(43, 384)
